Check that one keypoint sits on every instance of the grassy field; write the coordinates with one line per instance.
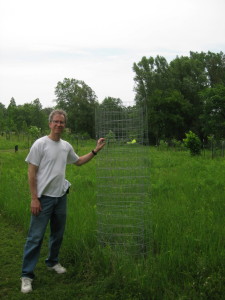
(186, 258)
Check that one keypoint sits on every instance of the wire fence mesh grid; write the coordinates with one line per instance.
(123, 179)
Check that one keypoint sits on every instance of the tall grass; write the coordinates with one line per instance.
(9, 141)
(186, 212)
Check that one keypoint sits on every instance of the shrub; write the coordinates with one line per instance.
(193, 143)
(163, 145)
(35, 132)
(178, 145)
(110, 137)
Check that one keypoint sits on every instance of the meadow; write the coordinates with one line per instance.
(186, 254)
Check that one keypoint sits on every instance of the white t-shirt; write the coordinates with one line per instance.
(51, 158)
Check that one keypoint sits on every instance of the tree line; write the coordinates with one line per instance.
(186, 94)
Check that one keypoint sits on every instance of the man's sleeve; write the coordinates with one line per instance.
(34, 156)
(72, 156)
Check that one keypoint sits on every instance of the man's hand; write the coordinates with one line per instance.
(87, 157)
(100, 144)
(35, 207)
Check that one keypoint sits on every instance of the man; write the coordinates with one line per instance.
(47, 161)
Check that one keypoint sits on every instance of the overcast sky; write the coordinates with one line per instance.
(97, 41)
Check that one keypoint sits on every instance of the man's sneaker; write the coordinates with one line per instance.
(58, 268)
(26, 285)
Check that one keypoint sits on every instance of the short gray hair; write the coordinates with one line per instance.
(57, 112)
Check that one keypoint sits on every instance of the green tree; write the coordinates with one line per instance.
(79, 101)
(189, 77)
(31, 113)
(24, 114)
(151, 76)
(168, 109)
(213, 115)
(156, 82)
(112, 103)
(215, 65)
(38, 115)
(11, 116)
(167, 112)
(24, 128)
(2, 117)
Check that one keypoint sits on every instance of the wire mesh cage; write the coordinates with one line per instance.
(123, 179)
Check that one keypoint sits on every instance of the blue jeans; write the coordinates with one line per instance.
(53, 209)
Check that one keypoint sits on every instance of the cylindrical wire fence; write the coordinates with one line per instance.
(123, 179)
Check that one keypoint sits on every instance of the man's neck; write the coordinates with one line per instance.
(54, 137)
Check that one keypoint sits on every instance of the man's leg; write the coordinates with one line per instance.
(36, 233)
(57, 227)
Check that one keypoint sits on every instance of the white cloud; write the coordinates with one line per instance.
(44, 41)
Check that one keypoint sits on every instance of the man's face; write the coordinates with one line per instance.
(57, 124)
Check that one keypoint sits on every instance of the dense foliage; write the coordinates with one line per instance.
(20, 118)
(187, 94)
(79, 101)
